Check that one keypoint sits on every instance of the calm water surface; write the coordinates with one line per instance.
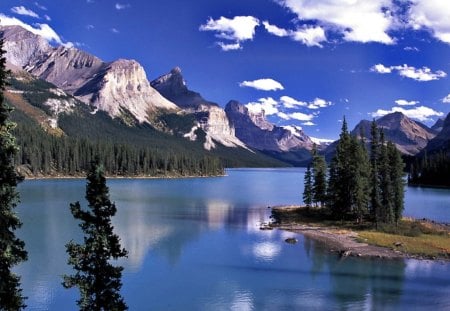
(195, 244)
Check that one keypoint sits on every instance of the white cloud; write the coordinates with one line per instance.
(309, 123)
(308, 35)
(403, 102)
(40, 6)
(411, 49)
(446, 99)
(319, 103)
(263, 84)
(289, 102)
(43, 30)
(432, 15)
(90, 27)
(120, 6)
(47, 18)
(319, 141)
(275, 30)
(283, 115)
(419, 74)
(301, 116)
(268, 105)
(380, 68)
(356, 20)
(115, 30)
(421, 113)
(229, 46)
(237, 30)
(21, 10)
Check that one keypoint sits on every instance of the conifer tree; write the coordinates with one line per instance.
(359, 166)
(396, 164)
(98, 280)
(375, 192)
(307, 190)
(12, 249)
(319, 172)
(386, 213)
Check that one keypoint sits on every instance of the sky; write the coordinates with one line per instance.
(305, 63)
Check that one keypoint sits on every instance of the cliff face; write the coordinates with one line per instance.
(442, 140)
(409, 136)
(119, 88)
(256, 132)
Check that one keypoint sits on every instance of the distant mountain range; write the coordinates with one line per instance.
(121, 91)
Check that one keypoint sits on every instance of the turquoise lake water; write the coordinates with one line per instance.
(195, 244)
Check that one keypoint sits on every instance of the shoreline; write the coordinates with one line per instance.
(27, 178)
(346, 242)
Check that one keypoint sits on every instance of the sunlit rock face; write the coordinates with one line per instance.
(258, 133)
(119, 88)
(210, 117)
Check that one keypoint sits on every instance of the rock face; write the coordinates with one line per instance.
(437, 127)
(173, 87)
(442, 140)
(120, 88)
(256, 132)
(409, 136)
(210, 117)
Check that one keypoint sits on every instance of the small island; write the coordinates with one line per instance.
(355, 205)
(420, 239)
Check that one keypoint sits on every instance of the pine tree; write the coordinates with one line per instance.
(12, 249)
(375, 192)
(396, 164)
(360, 168)
(98, 280)
(319, 172)
(307, 191)
(386, 212)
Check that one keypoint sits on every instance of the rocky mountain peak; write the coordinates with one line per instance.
(409, 136)
(438, 125)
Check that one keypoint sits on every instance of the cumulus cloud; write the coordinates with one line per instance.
(419, 74)
(308, 35)
(21, 10)
(263, 84)
(290, 103)
(356, 20)
(120, 6)
(446, 99)
(403, 102)
(268, 105)
(237, 29)
(431, 15)
(411, 49)
(42, 30)
(115, 30)
(380, 68)
(318, 103)
(420, 113)
(309, 123)
(40, 6)
(300, 116)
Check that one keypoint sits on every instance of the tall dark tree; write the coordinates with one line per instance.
(307, 190)
(386, 213)
(98, 280)
(12, 249)
(360, 176)
(319, 174)
(398, 185)
(375, 191)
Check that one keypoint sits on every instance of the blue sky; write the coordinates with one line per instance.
(304, 62)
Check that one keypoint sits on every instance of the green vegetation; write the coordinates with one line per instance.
(12, 249)
(98, 280)
(359, 187)
(431, 170)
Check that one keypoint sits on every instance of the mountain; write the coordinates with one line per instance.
(209, 116)
(409, 136)
(290, 144)
(437, 127)
(442, 139)
(119, 88)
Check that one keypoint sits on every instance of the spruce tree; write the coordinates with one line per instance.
(307, 190)
(360, 169)
(12, 249)
(375, 192)
(319, 172)
(98, 280)
(396, 164)
(386, 212)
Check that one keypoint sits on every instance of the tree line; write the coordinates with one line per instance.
(430, 170)
(358, 184)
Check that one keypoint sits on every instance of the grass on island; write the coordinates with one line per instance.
(419, 238)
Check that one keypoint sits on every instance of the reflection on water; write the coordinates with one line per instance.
(198, 240)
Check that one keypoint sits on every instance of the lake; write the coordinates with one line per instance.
(195, 244)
